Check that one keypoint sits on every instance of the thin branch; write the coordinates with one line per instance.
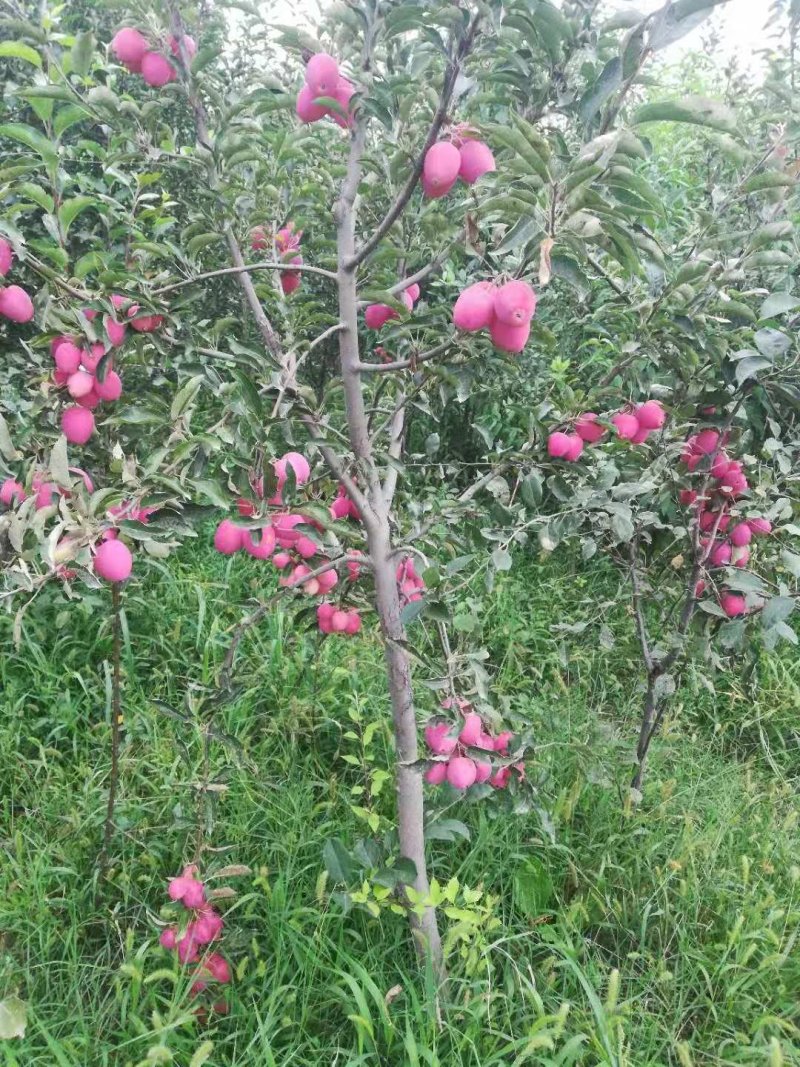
(403, 197)
(248, 267)
(638, 607)
(255, 617)
(404, 364)
(52, 276)
(116, 724)
(395, 450)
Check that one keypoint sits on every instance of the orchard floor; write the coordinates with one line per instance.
(692, 899)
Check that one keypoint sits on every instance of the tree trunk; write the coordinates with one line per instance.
(645, 733)
(408, 780)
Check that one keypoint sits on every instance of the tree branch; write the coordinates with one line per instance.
(403, 197)
(404, 364)
(395, 450)
(638, 608)
(298, 267)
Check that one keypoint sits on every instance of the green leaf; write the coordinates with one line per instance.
(606, 85)
(501, 559)
(698, 110)
(59, 463)
(776, 610)
(773, 231)
(13, 1018)
(750, 366)
(31, 138)
(622, 526)
(338, 861)
(769, 179)
(70, 210)
(411, 611)
(532, 888)
(772, 343)
(37, 195)
(212, 492)
(185, 395)
(778, 304)
(6, 444)
(18, 50)
(69, 116)
(82, 52)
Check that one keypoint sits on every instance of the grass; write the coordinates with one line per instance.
(661, 935)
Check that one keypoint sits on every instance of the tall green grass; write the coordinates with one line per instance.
(662, 935)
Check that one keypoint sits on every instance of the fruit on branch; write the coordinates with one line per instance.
(322, 74)
(651, 415)
(515, 303)
(741, 535)
(558, 444)
(588, 428)
(6, 257)
(12, 492)
(115, 331)
(157, 70)
(67, 357)
(343, 94)
(15, 304)
(113, 561)
(461, 772)
(410, 585)
(474, 308)
(720, 554)
(413, 291)
(77, 425)
(306, 108)
(228, 537)
(627, 425)
(440, 169)
(760, 526)
(110, 388)
(264, 546)
(130, 47)
(145, 323)
(377, 315)
(80, 384)
(476, 160)
(299, 466)
(733, 604)
(438, 739)
(343, 507)
(324, 80)
(509, 338)
(189, 45)
(436, 774)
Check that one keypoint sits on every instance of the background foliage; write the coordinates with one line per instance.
(655, 209)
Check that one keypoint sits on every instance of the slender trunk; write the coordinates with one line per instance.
(116, 724)
(408, 780)
(645, 733)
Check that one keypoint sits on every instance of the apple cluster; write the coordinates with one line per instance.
(77, 367)
(727, 536)
(287, 246)
(505, 309)
(204, 927)
(377, 315)
(461, 155)
(15, 304)
(452, 746)
(325, 83)
(634, 424)
(140, 56)
(283, 541)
